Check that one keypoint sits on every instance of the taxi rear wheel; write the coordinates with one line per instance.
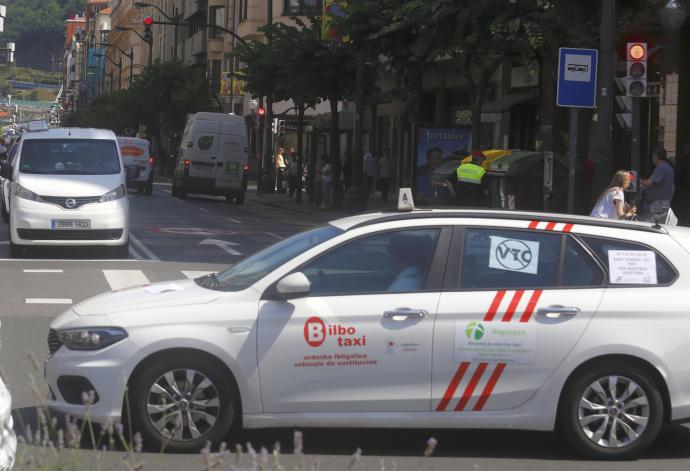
(180, 403)
(611, 411)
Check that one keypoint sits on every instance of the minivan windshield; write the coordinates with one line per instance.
(251, 270)
(69, 157)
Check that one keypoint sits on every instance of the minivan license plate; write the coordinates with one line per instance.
(68, 224)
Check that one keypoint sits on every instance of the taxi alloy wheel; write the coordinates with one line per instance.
(181, 405)
(612, 411)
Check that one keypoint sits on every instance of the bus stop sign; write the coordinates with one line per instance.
(577, 78)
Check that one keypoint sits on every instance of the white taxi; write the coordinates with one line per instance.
(424, 319)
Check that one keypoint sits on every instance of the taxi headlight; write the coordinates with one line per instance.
(94, 338)
(21, 192)
(116, 194)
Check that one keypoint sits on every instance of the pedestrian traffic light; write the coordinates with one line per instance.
(636, 70)
(281, 126)
(148, 32)
(274, 126)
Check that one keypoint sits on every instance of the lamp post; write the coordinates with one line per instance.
(172, 20)
(150, 43)
(129, 56)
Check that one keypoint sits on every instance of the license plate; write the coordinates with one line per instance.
(231, 168)
(67, 224)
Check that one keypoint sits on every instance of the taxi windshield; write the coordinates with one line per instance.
(69, 157)
(251, 270)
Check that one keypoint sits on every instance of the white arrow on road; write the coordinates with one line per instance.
(223, 245)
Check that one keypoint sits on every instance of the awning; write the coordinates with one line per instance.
(506, 102)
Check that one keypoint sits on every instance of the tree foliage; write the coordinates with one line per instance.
(24, 16)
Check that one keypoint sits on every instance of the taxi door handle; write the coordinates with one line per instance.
(554, 312)
(405, 313)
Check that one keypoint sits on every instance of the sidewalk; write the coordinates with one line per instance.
(282, 201)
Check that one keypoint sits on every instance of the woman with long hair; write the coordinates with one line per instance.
(611, 203)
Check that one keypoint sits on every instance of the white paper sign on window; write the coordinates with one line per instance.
(514, 255)
(632, 267)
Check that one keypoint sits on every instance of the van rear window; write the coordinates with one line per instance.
(69, 157)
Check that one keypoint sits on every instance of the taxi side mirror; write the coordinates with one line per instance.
(295, 285)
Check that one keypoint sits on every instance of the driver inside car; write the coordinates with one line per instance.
(410, 256)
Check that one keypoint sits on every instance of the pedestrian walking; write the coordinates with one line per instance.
(471, 188)
(280, 165)
(660, 186)
(293, 172)
(368, 171)
(385, 176)
(326, 182)
(611, 204)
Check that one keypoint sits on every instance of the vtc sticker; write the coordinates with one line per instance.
(316, 331)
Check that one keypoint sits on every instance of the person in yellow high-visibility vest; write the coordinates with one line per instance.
(469, 175)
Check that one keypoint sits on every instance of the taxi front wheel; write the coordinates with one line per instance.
(182, 402)
(611, 411)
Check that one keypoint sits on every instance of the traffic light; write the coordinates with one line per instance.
(636, 70)
(274, 126)
(148, 32)
(281, 126)
(262, 117)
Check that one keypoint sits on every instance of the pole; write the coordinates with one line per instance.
(150, 52)
(572, 164)
(636, 147)
(268, 177)
(607, 70)
(232, 67)
(119, 74)
(175, 13)
(260, 151)
(359, 189)
(131, 65)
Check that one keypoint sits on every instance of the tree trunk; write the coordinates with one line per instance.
(300, 148)
(334, 150)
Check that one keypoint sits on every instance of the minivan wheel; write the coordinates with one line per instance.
(180, 403)
(611, 411)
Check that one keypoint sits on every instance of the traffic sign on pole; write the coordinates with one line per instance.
(577, 78)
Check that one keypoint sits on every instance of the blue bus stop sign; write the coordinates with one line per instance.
(577, 78)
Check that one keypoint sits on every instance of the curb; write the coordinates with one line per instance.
(322, 216)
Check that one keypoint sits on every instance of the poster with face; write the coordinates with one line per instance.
(436, 145)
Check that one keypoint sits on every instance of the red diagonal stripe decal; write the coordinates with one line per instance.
(494, 306)
(533, 225)
(568, 227)
(471, 386)
(531, 305)
(550, 226)
(448, 395)
(513, 305)
(489, 388)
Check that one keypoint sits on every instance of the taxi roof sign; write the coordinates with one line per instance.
(405, 200)
(34, 126)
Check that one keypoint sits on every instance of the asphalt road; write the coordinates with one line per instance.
(174, 239)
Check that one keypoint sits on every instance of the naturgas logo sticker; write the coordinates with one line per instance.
(474, 330)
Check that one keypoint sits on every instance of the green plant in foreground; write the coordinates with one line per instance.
(47, 446)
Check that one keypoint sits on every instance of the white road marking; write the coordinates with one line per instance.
(133, 252)
(223, 245)
(196, 274)
(4, 242)
(48, 301)
(204, 210)
(120, 279)
(273, 235)
(233, 220)
(143, 248)
(42, 271)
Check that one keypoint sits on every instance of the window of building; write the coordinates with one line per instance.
(216, 17)
(301, 7)
(244, 8)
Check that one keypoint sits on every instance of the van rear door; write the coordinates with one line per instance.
(135, 152)
(233, 158)
(204, 151)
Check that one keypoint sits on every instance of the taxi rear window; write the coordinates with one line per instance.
(630, 263)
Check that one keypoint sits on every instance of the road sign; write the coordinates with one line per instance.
(577, 78)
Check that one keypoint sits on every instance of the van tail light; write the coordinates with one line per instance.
(152, 160)
(187, 162)
(245, 169)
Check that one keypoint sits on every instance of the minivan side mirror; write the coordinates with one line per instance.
(295, 285)
(6, 171)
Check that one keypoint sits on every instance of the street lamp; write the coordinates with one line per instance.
(129, 55)
(172, 20)
(150, 43)
(672, 16)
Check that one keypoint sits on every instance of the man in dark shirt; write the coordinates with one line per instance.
(660, 185)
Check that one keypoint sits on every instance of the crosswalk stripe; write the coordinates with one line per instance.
(120, 279)
(196, 274)
(48, 301)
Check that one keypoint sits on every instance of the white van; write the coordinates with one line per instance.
(135, 154)
(67, 188)
(213, 157)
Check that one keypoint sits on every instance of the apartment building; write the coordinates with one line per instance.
(126, 28)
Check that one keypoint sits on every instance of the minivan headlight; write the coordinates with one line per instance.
(91, 338)
(21, 192)
(116, 194)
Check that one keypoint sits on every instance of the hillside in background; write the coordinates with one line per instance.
(38, 29)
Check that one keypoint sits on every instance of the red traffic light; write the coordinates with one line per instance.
(148, 21)
(262, 111)
(637, 51)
